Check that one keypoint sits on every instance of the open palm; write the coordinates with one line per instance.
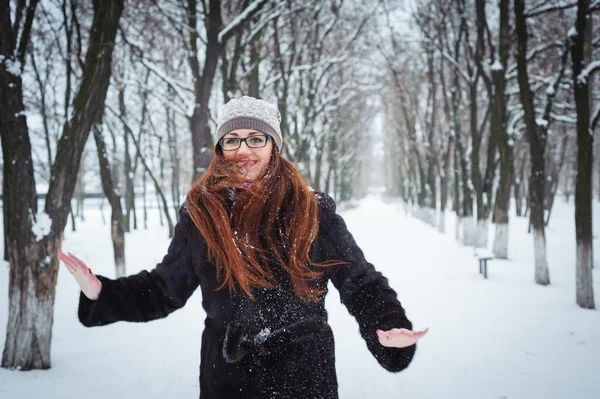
(399, 337)
(88, 282)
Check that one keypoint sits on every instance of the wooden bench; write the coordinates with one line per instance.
(483, 257)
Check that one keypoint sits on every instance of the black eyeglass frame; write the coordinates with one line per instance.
(267, 138)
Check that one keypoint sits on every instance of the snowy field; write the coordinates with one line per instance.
(504, 337)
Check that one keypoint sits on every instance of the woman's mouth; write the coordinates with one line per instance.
(246, 164)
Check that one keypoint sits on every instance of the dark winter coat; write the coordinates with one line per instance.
(275, 346)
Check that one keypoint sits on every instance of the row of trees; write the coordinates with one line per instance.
(146, 81)
(493, 103)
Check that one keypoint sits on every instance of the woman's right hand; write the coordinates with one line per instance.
(88, 282)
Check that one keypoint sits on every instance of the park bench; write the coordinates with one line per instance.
(483, 256)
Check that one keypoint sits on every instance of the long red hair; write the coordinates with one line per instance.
(280, 202)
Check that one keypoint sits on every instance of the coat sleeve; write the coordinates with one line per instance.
(147, 295)
(363, 290)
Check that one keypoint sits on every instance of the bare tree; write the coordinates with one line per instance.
(585, 140)
(537, 131)
(500, 135)
(33, 238)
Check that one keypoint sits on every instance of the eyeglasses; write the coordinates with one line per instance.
(233, 143)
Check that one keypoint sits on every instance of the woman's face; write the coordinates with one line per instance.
(252, 161)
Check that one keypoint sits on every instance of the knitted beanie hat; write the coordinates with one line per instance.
(250, 113)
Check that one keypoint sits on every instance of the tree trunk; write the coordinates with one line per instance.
(519, 184)
(488, 185)
(556, 176)
(116, 219)
(480, 237)
(129, 172)
(31, 282)
(484, 199)
(73, 225)
(79, 194)
(466, 211)
(319, 164)
(444, 184)
(431, 156)
(456, 202)
(583, 185)
(145, 199)
(174, 155)
(598, 178)
(537, 144)
(255, 62)
(33, 254)
(502, 202)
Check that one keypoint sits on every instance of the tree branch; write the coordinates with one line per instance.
(543, 8)
(246, 15)
(25, 36)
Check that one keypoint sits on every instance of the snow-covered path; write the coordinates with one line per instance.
(503, 337)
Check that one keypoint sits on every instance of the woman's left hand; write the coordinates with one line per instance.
(399, 337)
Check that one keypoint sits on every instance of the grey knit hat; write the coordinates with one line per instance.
(250, 113)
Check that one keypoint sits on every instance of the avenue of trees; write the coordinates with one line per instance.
(493, 105)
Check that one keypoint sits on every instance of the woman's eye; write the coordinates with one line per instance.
(230, 141)
(257, 140)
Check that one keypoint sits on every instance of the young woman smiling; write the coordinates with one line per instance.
(262, 246)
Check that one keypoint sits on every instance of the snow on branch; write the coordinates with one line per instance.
(551, 90)
(588, 71)
(276, 13)
(331, 60)
(563, 118)
(241, 19)
(543, 7)
(185, 93)
(173, 84)
(543, 47)
(456, 65)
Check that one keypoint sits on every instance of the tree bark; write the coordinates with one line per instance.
(583, 185)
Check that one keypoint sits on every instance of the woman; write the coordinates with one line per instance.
(262, 246)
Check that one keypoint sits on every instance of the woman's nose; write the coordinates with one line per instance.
(244, 149)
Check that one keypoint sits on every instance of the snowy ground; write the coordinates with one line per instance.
(504, 337)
